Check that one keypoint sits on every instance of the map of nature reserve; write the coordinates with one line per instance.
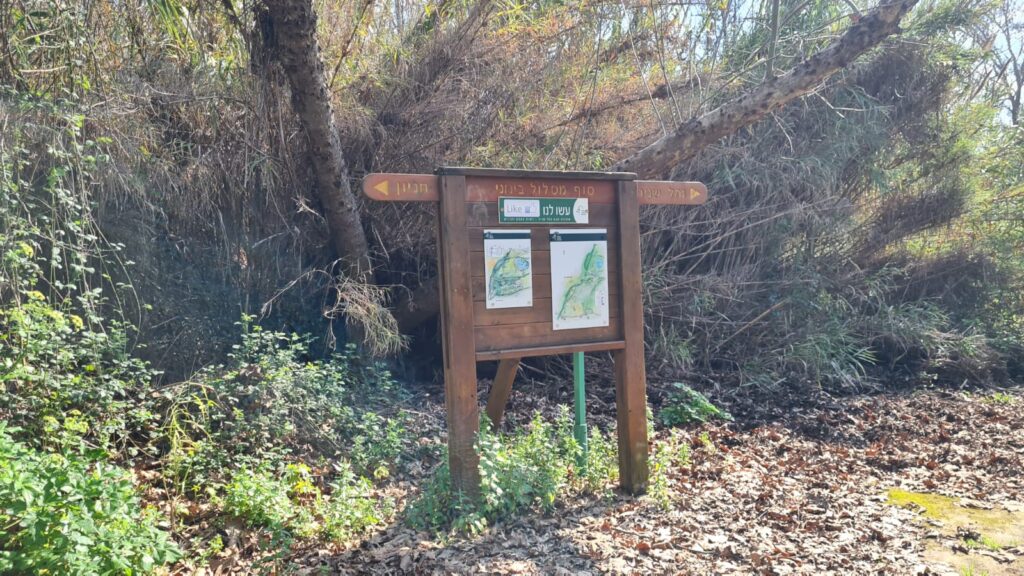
(508, 268)
(579, 278)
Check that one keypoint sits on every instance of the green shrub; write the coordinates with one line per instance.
(63, 514)
(63, 378)
(269, 404)
(687, 406)
(529, 469)
(350, 508)
(289, 504)
(260, 499)
(65, 372)
(667, 456)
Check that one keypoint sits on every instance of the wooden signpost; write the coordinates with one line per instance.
(535, 263)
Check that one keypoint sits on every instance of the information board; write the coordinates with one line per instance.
(536, 263)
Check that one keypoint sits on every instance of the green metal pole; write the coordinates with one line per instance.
(580, 421)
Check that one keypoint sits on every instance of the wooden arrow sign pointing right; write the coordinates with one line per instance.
(668, 192)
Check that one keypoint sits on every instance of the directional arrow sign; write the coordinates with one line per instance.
(667, 192)
(401, 187)
(424, 188)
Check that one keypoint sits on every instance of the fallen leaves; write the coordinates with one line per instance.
(779, 491)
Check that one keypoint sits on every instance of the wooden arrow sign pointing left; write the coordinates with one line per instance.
(401, 187)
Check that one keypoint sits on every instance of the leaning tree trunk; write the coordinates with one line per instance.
(294, 27)
(660, 158)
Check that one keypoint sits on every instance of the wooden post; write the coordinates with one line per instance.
(501, 389)
(459, 347)
(630, 376)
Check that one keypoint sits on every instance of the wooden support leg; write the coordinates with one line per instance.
(501, 390)
(459, 350)
(631, 412)
(630, 376)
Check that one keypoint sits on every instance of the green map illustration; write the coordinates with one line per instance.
(510, 274)
(580, 293)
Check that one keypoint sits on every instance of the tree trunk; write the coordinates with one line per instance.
(294, 26)
(660, 158)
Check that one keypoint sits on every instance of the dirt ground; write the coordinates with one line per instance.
(924, 483)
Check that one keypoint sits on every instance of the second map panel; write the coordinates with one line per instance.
(579, 278)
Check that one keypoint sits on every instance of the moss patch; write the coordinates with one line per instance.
(997, 529)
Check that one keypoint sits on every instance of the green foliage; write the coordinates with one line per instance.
(66, 375)
(289, 504)
(63, 382)
(668, 456)
(1000, 398)
(525, 470)
(269, 403)
(687, 406)
(64, 514)
(259, 498)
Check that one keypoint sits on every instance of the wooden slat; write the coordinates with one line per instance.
(401, 187)
(501, 389)
(541, 286)
(519, 173)
(392, 187)
(540, 236)
(540, 263)
(550, 350)
(485, 214)
(630, 377)
(489, 189)
(541, 334)
(457, 331)
(539, 312)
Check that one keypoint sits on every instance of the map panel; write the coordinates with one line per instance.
(508, 268)
(579, 278)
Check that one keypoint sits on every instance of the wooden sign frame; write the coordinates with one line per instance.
(468, 201)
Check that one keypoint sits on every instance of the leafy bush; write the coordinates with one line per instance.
(529, 469)
(259, 498)
(687, 406)
(668, 455)
(269, 403)
(67, 515)
(65, 374)
(290, 504)
(62, 381)
(350, 508)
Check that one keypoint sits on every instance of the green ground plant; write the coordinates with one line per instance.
(685, 405)
(68, 514)
(530, 469)
(288, 503)
(668, 456)
(270, 405)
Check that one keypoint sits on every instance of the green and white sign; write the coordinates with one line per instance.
(543, 210)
